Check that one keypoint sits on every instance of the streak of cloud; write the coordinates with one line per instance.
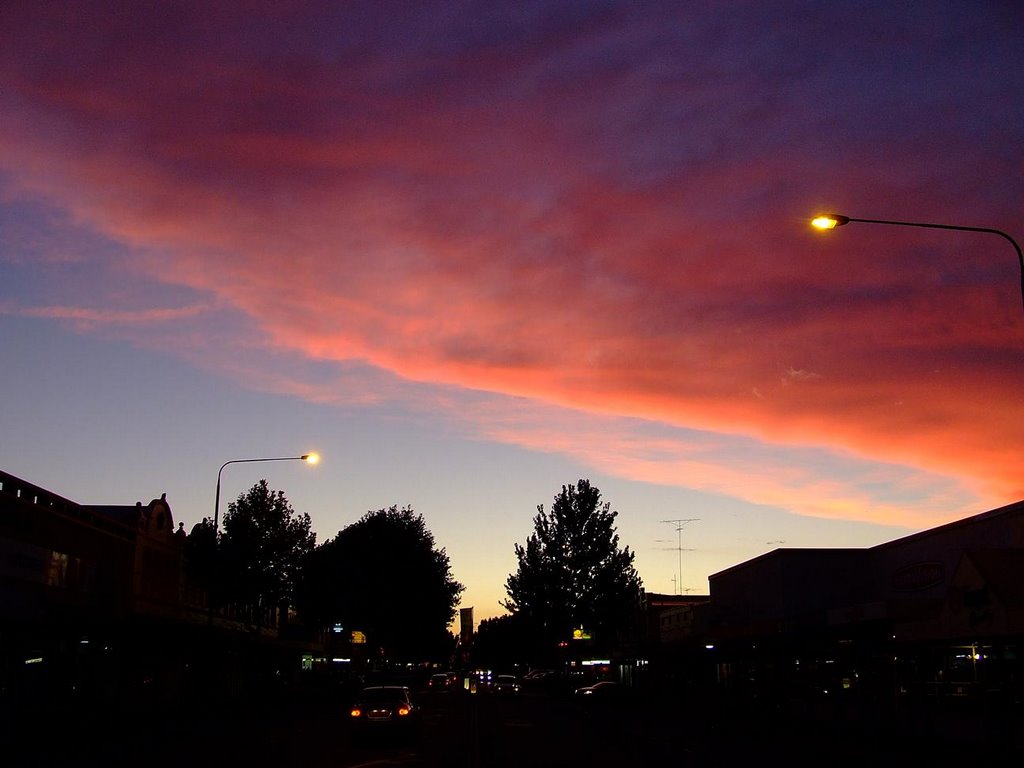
(591, 207)
(84, 317)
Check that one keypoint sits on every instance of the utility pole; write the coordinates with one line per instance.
(679, 524)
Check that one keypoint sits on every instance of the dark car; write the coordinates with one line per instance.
(506, 684)
(606, 689)
(542, 680)
(442, 681)
(384, 706)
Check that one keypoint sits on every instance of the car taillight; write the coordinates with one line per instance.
(356, 712)
(403, 711)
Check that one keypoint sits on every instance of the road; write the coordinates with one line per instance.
(460, 730)
(456, 729)
(487, 731)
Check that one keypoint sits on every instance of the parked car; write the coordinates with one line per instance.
(506, 684)
(542, 680)
(606, 689)
(442, 681)
(384, 706)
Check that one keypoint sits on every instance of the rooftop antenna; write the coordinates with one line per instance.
(679, 524)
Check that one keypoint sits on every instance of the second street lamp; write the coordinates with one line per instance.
(827, 221)
(310, 458)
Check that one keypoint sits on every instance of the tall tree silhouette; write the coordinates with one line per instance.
(572, 572)
(262, 549)
(384, 576)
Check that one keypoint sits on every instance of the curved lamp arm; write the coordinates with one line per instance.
(312, 458)
(832, 220)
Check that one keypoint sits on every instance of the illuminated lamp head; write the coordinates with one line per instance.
(828, 221)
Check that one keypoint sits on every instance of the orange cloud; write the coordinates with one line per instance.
(587, 222)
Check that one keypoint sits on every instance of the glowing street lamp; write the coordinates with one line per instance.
(309, 458)
(827, 221)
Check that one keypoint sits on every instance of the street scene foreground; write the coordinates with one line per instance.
(456, 728)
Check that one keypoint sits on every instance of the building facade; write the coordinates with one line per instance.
(928, 623)
(98, 617)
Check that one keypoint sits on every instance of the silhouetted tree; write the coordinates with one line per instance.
(572, 572)
(262, 548)
(384, 576)
(501, 643)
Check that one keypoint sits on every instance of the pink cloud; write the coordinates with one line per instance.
(87, 318)
(803, 479)
(603, 220)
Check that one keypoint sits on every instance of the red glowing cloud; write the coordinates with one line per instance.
(596, 210)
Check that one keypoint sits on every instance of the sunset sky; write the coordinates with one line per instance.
(472, 251)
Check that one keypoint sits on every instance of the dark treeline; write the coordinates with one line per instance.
(382, 577)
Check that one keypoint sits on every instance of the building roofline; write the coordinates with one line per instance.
(1016, 507)
(792, 552)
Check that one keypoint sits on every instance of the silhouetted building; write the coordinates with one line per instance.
(466, 628)
(672, 619)
(97, 617)
(934, 585)
(62, 559)
(914, 623)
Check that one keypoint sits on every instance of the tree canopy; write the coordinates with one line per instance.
(262, 548)
(501, 642)
(384, 576)
(571, 572)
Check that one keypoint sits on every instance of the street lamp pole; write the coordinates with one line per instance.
(311, 458)
(828, 221)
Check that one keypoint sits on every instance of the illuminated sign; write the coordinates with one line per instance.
(358, 638)
(580, 634)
